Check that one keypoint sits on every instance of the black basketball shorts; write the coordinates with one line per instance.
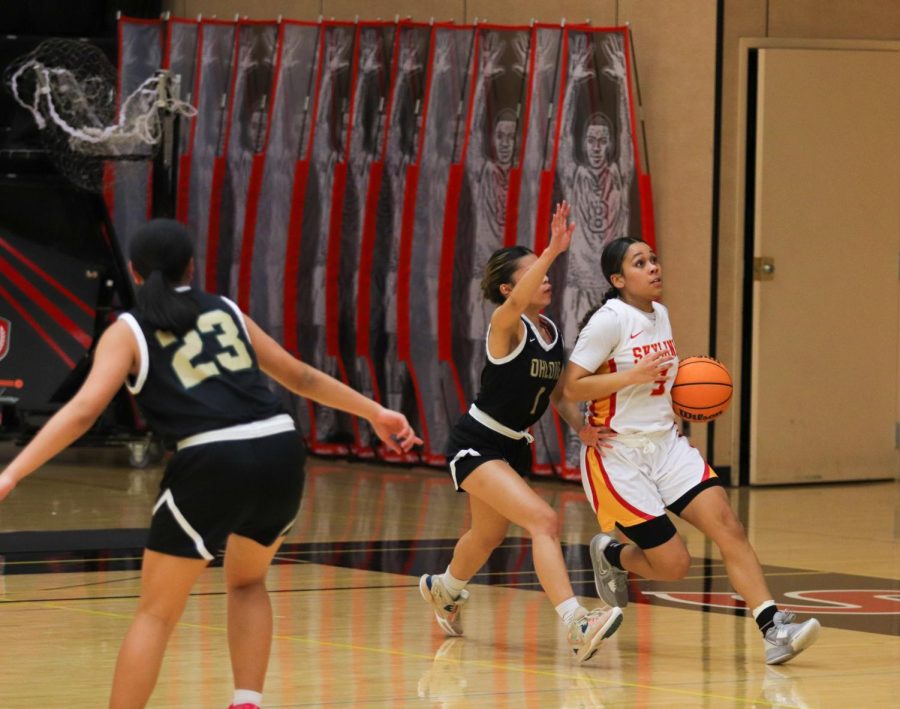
(472, 444)
(247, 487)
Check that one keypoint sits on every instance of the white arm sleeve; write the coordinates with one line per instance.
(597, 340)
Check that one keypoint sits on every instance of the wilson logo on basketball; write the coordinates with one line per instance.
(5, 328)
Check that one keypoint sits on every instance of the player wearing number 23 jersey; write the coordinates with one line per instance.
(206, 380)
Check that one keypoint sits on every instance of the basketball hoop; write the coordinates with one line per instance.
(69, 87)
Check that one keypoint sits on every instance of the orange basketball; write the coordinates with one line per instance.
(702, 389)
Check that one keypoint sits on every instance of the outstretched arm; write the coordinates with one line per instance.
(580, 61)
(300, 378)
(615, 56)
(113, 359)
(505, 321)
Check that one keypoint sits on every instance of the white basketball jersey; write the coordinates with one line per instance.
(617, 336)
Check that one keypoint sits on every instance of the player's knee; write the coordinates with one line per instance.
(673, 567)
(731, 528)
(544, 522)
(243, 584)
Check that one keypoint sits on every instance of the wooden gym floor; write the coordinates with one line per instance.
(351, 629)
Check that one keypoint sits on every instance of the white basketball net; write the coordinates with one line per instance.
(77, 107)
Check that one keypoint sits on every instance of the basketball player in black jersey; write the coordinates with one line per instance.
(194, 363)
(489, 449)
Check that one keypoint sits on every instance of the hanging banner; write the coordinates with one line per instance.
(350, 252)
(491, 165)
(243, 140)
(289, 131)
(140, 57)
(439, 169)
(180, 58)
(347, 183)
(377, 330)
(330, 431)
(595, 169)
(216, 51)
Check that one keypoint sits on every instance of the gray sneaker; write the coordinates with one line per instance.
(446, 608)
(785, 638)
(611, 583)
(590, 629)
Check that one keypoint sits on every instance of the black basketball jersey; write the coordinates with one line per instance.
(515, 389)
(205, 380)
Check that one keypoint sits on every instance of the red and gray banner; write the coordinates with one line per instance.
(347, 181)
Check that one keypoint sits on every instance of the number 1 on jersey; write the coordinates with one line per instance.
(537, 400)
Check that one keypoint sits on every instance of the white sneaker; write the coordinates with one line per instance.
(446, 608)
(590, 629)
(786, 639)
(611, 583)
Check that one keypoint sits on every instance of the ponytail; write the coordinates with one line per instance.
(161, 251)
(160, 305)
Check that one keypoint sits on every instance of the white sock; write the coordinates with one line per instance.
(453, 584)
(568, 609)
(247, 696)
(761, 607)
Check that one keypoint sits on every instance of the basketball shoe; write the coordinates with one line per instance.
(786, 639)
(590, 629)
(611, 583)
(446, 608)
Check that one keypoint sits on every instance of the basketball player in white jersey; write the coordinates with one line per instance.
(624, 364)
(489, 449)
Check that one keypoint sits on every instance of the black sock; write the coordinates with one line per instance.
(613, 554)
(766, 619)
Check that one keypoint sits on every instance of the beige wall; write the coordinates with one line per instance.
(675, 42)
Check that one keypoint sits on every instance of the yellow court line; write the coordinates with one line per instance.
(484, 664)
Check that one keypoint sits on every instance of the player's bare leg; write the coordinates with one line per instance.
(712, 514)
(166, 582)
(500, 487)
(249, 610)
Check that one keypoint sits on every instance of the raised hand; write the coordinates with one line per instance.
(335, 54)
(560, 229)
(615, 59)
(520, 47)
(409, 57)
(369, 61)
(393, 428)
(581, 59)
(442, 57)
(492, 51)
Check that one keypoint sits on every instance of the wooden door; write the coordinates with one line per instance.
(824, 383)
